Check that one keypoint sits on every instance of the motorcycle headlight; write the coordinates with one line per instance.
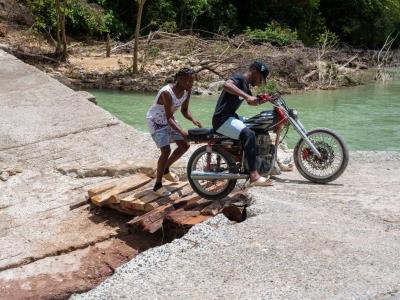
(293, 113)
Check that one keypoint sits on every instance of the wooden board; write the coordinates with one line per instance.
(149, 196)
(179, 191)
(127, 184)
(115, 199)
(102, 187)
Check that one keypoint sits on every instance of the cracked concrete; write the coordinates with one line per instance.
(302, 241)
(45, 126)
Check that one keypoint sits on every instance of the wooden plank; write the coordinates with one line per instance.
(125, 199)
(179, 191)
(173, 186)
(177, 223)
(147, 220)
(213, 209)
(197, 203)
(115, 199)
(179, 215)
(130, 183)
(127, 202)
(102, 187)
(148, 196)
(123, 210)
(182, 202)
(154, 227)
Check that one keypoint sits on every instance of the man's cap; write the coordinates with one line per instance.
(261, 67)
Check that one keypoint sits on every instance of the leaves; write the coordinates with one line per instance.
(363, 23)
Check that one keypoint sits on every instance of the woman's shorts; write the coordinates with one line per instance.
(165, 136)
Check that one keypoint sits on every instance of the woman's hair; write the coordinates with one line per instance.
(184, 72)
(181, 72)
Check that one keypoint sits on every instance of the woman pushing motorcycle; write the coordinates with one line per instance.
(164, 128)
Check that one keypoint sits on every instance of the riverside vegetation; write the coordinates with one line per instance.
(307, 45)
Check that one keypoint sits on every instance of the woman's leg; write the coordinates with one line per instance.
(183, 146)
(161, 165)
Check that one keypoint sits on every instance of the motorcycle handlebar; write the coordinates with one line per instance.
(268, 98)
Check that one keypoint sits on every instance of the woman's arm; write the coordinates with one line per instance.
(187, 114)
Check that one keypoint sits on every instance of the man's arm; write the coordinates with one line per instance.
(187, 114)
(231, 88)
(168, 104)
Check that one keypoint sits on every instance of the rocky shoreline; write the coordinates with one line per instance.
(291, 74)
(293, 68)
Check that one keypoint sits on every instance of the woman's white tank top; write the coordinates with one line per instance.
(156, 117)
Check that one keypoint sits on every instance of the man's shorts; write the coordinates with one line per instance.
(165, 136)
(232, 127)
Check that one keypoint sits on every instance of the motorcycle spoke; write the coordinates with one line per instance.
(331, 152)
(211, 163)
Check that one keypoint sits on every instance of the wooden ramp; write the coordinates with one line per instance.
(181, 210)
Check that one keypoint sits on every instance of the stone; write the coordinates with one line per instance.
(127, 81)
(4, 176)
(216, 86)
(200, 91)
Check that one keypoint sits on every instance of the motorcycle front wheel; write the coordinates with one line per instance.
(334, 156)
(213, 161)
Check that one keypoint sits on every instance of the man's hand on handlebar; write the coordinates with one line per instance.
(251, 100)
(263, 98)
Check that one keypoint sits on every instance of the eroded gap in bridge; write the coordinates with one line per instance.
(141, 223)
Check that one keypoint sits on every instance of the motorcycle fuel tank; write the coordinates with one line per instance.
(264, 120)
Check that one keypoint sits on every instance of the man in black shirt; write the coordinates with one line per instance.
(225, 120)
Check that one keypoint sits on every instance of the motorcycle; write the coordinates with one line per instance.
(320, 155)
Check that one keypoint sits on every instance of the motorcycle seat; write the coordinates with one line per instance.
(200, 134)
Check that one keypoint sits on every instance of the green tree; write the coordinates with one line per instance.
(362, 22)
(137, 34)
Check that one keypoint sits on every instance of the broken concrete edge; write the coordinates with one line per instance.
(198, 234)
(87, 95)
(112, 169)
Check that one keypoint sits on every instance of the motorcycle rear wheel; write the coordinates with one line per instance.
(210, 189)
(335, 156)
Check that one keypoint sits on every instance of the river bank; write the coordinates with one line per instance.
(294, 69)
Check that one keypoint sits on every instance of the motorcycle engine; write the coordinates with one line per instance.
(265, 154)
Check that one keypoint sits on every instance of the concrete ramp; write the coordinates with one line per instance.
(56, 145)
(35, 107)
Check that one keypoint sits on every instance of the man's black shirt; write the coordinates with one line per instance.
(228, 104)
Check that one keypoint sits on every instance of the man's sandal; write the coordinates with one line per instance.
(162, 192)
(286, 168)
(171, 176)
(262, 181)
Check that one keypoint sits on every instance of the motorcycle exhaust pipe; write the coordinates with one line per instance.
(200, 175)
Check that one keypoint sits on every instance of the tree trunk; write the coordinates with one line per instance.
(58, 35)
(61, 48)
(63, 34)
(108, 45)
(137, 32)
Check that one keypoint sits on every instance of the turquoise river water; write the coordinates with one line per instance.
(367, 117)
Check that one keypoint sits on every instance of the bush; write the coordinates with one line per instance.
(80, 17)
(328, 39)
(273, 33)
(271, 87)
(168, 26)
